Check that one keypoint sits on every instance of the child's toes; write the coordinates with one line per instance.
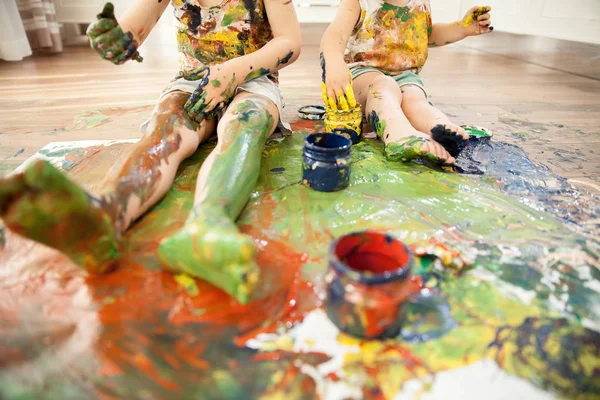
(438, 131)
(443, 155)
(463, 133)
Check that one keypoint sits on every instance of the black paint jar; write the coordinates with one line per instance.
(326, 159)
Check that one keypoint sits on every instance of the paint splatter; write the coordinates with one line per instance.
(377, 124)
(257, 73)
(285, 59)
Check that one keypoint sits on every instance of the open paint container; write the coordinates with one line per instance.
(326, 159)
(477, 131)
(370, 289)
(345, 122)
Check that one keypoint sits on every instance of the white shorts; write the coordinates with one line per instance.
(261, 85)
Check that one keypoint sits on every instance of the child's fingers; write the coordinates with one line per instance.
(99, 27)
(331, 103)
(115, 53)
(126, 54)
(207, 108)
(196, 74)
(115, 35)
(324, 93)
(136, 56)
(115, 49)
(342, 102)
(130, 50)
(107, 12)
(350, 95)
(195, 104)
(329, 99)
(484, 17)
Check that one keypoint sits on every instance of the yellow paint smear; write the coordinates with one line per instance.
(188, 283)
(474, 15)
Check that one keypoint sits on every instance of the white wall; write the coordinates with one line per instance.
(85, 11)
(324, 10)
(577, 20)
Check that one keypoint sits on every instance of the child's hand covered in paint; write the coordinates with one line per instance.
(216, 90)
(477, 21)
(337, 85)
(108, 39)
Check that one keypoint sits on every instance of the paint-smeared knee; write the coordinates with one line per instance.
(250, 110)
(413, 94)
(384, 81)
(383, 85)
(251, 116)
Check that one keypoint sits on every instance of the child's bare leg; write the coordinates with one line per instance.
(131, 188)
(210, 245)
(381, 98)
(426, 118)
(42, 204)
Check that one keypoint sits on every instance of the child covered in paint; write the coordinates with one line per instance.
(384, 45)
(230, 52)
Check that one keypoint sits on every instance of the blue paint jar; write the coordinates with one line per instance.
(326, 161)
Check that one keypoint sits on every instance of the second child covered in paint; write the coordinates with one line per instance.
(230, 52)
(384, 45)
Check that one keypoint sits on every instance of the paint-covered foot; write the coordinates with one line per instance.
(452, 137)
(414, 147)
(42, 204)
(211, 247)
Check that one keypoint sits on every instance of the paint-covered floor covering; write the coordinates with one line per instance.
(529, 307)
(526, 317)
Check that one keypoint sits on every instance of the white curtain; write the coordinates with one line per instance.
(13, 39)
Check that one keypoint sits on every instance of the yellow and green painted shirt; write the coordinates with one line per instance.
(391, 38)
(213, 35)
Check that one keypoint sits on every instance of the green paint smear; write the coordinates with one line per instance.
(256, 73)
(401, 12)
(410, 148)
(234, 15)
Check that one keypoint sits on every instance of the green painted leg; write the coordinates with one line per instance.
(210, 246)
(42, 204)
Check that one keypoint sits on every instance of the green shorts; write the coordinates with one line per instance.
(404, 79)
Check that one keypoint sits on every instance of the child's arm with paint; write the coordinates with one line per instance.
(336, 76)
(219, 82)
(476, 22)
(118, 42)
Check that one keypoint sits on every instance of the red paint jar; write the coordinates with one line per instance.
(368, 283)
